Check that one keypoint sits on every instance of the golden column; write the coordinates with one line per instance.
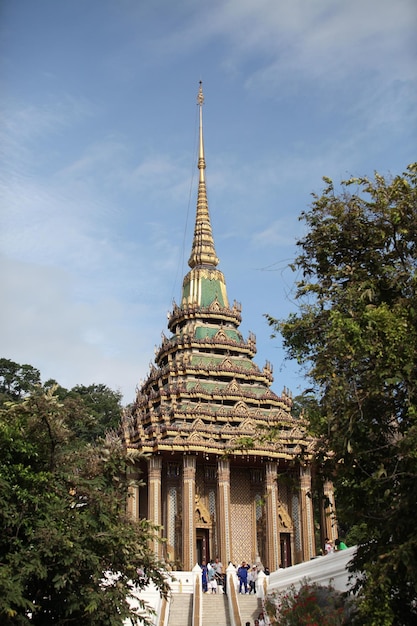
(188, 507)
(328, 513)
(307, 517)
(154, 499)
(273, 556)
(223, 518)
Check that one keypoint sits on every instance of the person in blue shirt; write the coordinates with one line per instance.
(204, 579)
(242, 574)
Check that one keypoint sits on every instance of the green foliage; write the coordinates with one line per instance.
(311, 604)
(69, 553)
(95, 409)
(356, 334)
(16, 380)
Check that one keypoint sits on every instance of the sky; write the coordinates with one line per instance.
(98, 180)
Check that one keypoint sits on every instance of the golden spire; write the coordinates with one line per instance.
(202, 252)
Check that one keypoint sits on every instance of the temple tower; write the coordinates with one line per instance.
(203, 395)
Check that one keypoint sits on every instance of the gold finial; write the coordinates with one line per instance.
(200, 97)
(203, 252)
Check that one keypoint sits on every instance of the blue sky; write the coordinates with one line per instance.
(98, 177)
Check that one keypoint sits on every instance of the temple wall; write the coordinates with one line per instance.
(242, 509)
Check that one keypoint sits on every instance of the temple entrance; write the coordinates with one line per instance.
(285, 542)
(202, 538)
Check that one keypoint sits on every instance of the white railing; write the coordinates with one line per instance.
(324, 570)
(179, 582)
(152, 598)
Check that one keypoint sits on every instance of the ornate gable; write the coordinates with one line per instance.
(248, 425)
(233, 387)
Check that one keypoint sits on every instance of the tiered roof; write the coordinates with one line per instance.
(204, 391)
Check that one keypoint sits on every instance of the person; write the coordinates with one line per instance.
(218, 566)
(340, 545)
(211, 578)
(204, 576)
(247, 624)
(261, 619)
(242, 574)
(213, 585)
(328, 546)
(218, 569)
(252, 576)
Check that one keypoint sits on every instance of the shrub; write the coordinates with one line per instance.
(311, 604)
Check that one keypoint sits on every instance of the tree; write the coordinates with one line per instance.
(102, 404)
(95, 408)
(69, 553)
(16, 380)
(355, 332)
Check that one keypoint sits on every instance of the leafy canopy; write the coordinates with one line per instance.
(355, 332)
(63, 519)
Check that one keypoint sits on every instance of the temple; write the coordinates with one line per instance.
(220, 469)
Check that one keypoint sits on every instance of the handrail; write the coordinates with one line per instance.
(231, 587)
(197, 617)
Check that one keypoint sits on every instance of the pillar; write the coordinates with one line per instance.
(133, 494)
(188, 507)
(272, 520)
(223, 517)
(328, 513)
(307, 517)
(154, 499)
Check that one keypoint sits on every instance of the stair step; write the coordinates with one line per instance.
(181, 609)
(215, 610)
(249, 606)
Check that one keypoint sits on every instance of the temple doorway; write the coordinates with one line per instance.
(202, 538)
(285, 541)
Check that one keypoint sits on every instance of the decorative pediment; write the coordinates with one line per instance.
(285, 519)
(195, 437)
(198, 424)
(248, 425)
(201, 513)
(197, 388)
(226, 364)
(220, 336)
(233, 387)
(269, 395)
(296, 433)
(241, 408)
(215, 305)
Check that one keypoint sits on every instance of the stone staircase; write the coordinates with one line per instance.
(215, 610)
(181, 609)
(250, 607)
